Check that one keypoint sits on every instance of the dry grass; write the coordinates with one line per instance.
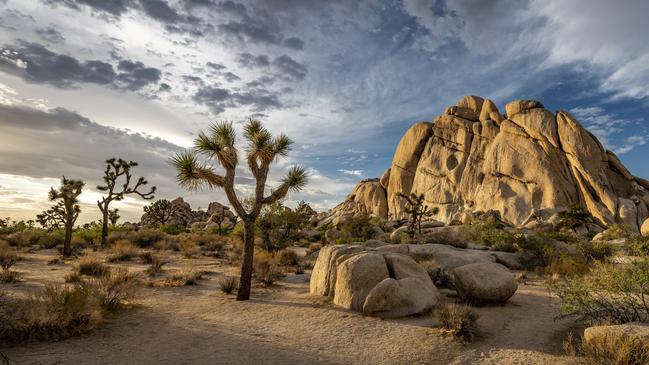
(458, 321)
(266, 268)
(187, 276)
(156, 260)
(124, 250)
(116, 288)
(58, 311)
(8, 258)
(228, 284)
(613, 348)
(188, 247)
(91, 265)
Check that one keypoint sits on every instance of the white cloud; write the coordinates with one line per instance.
(358, 173)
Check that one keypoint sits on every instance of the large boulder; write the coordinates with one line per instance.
(529, 163)
(484, 283)
(392, 298)
(645, 228)
(373, 280)
(355, 278)
(448, 257)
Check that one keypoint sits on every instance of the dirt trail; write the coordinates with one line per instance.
(284, 325)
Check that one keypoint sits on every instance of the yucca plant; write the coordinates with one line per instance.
(118, 169)
(262, 149)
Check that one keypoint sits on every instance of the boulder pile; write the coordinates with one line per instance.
(526, 165)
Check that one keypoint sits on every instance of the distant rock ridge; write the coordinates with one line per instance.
(527, 164)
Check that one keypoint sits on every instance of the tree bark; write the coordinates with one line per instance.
(104, 227)
(67, 250)
(246, 265)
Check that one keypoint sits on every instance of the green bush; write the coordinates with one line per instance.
(146, 237)
(638, 245)
(358, 228)
(616, 231)
(174, 229)
(609, 293)
(573, 217)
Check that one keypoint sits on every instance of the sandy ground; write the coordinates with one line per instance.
(285, 325)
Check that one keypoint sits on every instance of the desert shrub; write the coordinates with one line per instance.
(115, 288)
(172, 229)
(228, 284)
(573, 217)
(611, 348)
(8, 256)
(566, 265)
(617, 231)
(188, 247)
(458, 321)
(440, 277)
(597, 250)
(187, 276)
(51, 313)
(9, 226)
(638, 245)
(265, 268)
(91, 265)
(358, 227)
(156, 261)
(73, 277)
(279, 225)
(288, 258)
(91, 234)
(123, 250)
(146, 237)
(609, 293)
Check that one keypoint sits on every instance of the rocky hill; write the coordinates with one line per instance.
(526, 164)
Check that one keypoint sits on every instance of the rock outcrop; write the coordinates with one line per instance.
(530, 162)
(182, 214)
(372, 281)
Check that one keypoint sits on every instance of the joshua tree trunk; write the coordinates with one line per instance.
(67, 250)
(104, 226)
(246, 265)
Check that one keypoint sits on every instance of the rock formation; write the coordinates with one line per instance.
(528, 163)
(182, 214)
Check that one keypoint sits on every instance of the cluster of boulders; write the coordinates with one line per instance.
(383, 280)
(216, 215)
(526, 165)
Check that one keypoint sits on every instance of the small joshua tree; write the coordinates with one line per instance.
(261, 151)
(160, 211)
(417, 210)
(113, 216)
(117, 169)
(67, 206)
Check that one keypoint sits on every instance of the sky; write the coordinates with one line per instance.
(82, 81)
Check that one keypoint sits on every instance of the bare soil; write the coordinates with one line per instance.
(283, 324)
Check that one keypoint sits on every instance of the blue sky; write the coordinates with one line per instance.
(85, 80)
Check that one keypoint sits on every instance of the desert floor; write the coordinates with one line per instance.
(285, 325)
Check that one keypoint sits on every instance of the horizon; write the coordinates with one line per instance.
(83, 81)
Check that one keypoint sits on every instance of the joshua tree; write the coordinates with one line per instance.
(67, 206)
(53, 218)
(417, 210)
(117, 169)
(113, 216)
(261, 151)
(160, 211)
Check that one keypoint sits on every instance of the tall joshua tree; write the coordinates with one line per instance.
(262, 149)
(67, 195)
(118, 169)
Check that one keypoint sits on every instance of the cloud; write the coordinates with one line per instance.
(294, 43)
(218, 99)
(249, 60)
(50, 35)
(358, 173)
(630, 143)
(113, 7)
(289, 68)
(36, 64)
